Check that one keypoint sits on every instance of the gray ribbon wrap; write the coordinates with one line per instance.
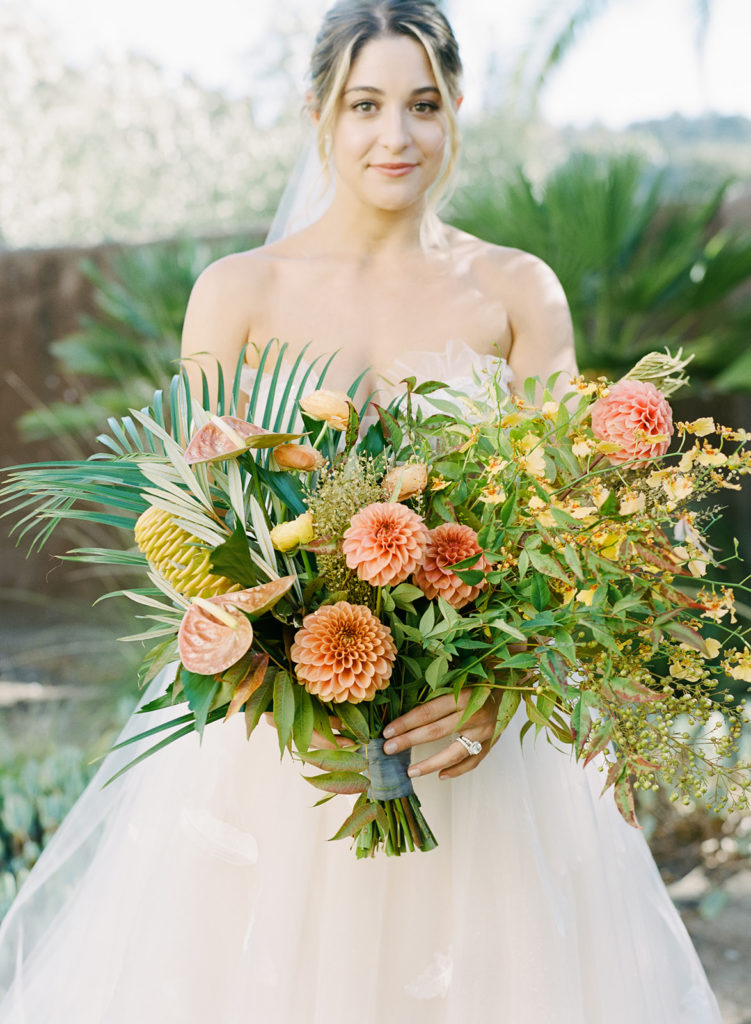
(387, 772)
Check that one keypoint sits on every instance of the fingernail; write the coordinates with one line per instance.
(389, 748)
(388, 731)
(413, 771)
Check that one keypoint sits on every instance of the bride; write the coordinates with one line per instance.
(200, 887)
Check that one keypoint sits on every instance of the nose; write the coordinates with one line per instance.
(395, 134)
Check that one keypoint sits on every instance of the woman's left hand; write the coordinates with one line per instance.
(439, 719)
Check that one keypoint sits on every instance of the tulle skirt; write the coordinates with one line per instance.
(200, 888)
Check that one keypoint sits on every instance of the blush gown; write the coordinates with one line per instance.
(200, 889)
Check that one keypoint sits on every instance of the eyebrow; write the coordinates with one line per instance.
(415, 92)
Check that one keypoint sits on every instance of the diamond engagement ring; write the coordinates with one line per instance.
(471, 746)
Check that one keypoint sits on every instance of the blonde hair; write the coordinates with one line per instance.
(345, 30)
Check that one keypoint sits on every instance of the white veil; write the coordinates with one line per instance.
(31, 931)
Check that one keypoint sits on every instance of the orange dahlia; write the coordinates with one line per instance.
(448, 544)
(385, 542)
(343, 652)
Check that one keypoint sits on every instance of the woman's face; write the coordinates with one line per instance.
(390, 132)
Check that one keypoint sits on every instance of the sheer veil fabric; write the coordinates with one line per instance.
(200, 888)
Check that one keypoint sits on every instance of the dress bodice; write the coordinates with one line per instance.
(466, 371)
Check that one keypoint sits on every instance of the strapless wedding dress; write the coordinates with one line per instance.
(200, 889)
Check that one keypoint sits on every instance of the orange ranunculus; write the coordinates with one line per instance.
(343, 652)
(385, 542)
(448, 544)
(635, 416)
(330, 406)
(301, 457)
(411, 478)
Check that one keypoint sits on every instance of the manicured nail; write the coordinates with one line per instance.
(388, 731)
(413, 771)
(390, 748)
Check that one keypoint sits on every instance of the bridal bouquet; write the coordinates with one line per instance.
(548, 556)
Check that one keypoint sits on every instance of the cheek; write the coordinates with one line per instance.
(432, 139)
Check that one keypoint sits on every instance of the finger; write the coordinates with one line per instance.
(469, 762)
(451, 755)
(425, 713)
(424, 734)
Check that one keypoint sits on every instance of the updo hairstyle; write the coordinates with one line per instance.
(345, 30)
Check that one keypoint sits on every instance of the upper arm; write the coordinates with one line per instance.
(541, 329)
(218, 319)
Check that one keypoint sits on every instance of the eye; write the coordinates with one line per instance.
(364, 106)
(426, 107)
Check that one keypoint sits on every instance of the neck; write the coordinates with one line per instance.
(367, 232)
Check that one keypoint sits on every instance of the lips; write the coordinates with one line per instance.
(395, 170)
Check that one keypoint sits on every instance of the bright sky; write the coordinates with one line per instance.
(637, 61)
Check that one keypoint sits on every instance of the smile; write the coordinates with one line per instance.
(394, 170)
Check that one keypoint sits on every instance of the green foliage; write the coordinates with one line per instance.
(640, 268)
(131, 343)
(35, 796)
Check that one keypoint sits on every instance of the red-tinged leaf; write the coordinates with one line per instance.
(599, 739)
(644, 763)
(358, 819)
(553, 666)
(256, 704)
(633, 691)
(663, 559)
(581, 724)
(248, 686)
(686, 635)
(624, 801)
(339, 782)
(335, 760)
(615, 773)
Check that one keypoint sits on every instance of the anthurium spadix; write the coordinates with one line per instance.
(226, 437)
(214, 632)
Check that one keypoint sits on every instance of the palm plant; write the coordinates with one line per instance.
(641, 269)
(129, 345)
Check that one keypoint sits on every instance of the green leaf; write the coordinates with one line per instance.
(354, 720)
(476, 700)
(507, 708)
(302, 726)
(539, 593)
(436, 670)
(257, 704)
(392, 432)
(286, 486)
(199, 692)
(284, 707)
(339, 782)
(358, 819)
(429, 386)
(470, 576)
(335, 760)
(232, 559)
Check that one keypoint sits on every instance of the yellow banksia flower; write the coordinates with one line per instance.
(178, 556)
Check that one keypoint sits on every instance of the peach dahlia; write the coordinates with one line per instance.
(385, 542)
(343, 652)
(448, 544)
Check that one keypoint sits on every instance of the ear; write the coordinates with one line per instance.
(312, 108)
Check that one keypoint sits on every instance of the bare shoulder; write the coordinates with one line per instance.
(542, 332)
(239, 277)
(512, 274)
